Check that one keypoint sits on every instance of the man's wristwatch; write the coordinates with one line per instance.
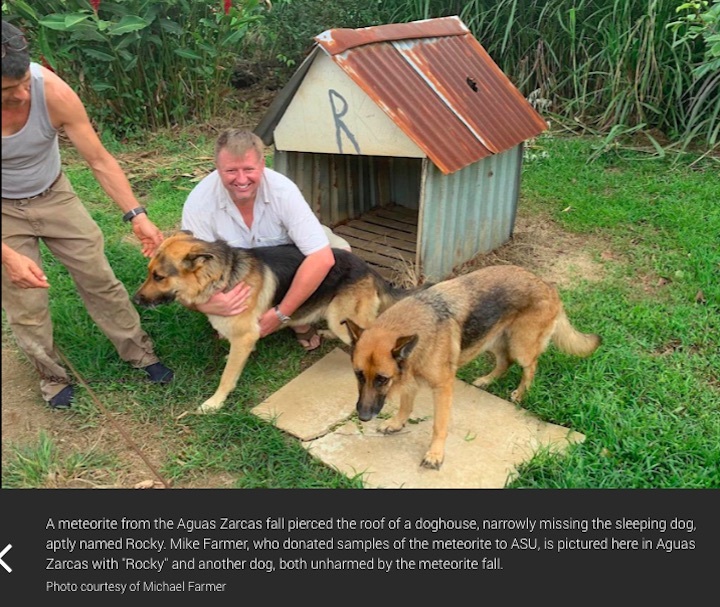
(283, 318)
(130, 215)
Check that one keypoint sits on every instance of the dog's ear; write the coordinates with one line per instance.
(403, 347)
(182, 234)
(194, 261)
(355, 330)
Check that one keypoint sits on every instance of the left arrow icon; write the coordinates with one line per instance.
(2, 554)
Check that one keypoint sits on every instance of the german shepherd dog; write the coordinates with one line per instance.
(426, 337)
(190, 271)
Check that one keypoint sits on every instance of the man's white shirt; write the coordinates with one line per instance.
(281, 215)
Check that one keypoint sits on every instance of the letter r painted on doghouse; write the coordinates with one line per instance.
(339, 108)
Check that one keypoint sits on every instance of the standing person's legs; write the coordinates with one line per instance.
(60, 219)
(27, 310)
(77, 242)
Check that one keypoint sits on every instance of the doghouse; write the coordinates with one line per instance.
(407, 139)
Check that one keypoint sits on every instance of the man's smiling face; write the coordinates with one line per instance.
(240, 175)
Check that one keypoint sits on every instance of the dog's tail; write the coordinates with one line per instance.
(571, 341)
(391, 293)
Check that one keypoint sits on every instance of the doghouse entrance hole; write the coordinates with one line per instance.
(385, 237)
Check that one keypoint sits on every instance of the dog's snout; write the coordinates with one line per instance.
(367, 408)
(139, 299)
(364, 413)
(149, 298)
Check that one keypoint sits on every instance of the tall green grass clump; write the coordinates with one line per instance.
(44, 465)
(287, 31)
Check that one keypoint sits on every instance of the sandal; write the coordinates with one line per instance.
(306, 336)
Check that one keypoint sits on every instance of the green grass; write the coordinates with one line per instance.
(648, 401)
(44, 465)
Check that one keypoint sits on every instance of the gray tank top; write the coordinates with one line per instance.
(31, 157)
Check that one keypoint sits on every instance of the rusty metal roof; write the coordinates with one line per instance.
(437, 83)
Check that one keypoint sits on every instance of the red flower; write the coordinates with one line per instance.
(95, 4)
(227, 5)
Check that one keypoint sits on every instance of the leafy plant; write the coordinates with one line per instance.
(138, 64)
(700, 19)
(289, 28)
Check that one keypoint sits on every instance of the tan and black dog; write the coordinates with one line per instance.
(426, 337)
(190, 271)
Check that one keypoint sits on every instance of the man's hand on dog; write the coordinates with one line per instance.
(269, 323)
(147, 232)
(231, 303)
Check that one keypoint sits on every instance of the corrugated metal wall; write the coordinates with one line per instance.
(468, 212)
(342, 187)
(461, 215)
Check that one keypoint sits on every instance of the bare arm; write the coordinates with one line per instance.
(68, 112)
(310, 274)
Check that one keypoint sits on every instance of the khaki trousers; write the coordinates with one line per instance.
(63, 223)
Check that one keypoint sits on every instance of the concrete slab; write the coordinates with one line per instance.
(488, 437)
(316, 401)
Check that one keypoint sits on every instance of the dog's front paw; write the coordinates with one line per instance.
(432, 460)
(210, 405)
(390, 426)
(482, 382)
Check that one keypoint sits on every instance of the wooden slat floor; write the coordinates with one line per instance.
(385, 237)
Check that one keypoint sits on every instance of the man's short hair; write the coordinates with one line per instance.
(239, 142)
(15, 63)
